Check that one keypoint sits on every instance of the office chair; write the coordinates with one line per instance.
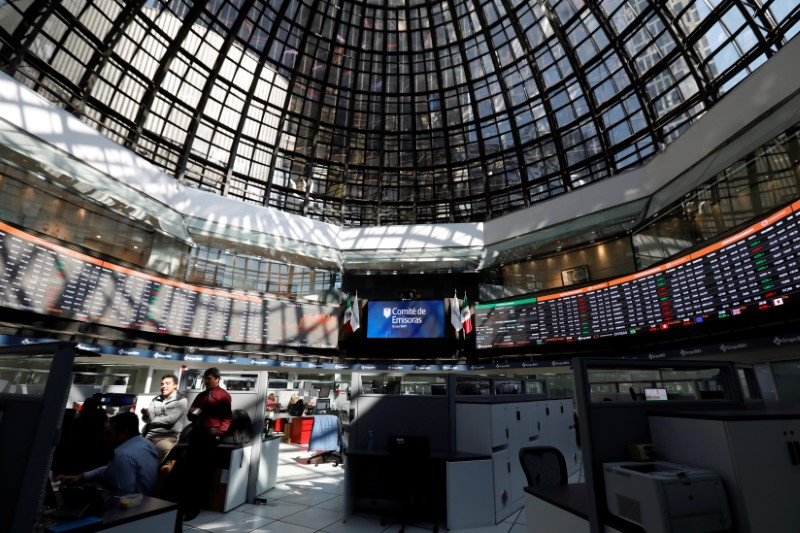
(543, 466)
(410, 481)
(326, 438)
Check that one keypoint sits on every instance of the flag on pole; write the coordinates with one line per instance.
(455, 314)
(466, 316)
(355, 315)
(348, 316)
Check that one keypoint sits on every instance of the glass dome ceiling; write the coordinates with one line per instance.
(393, 111)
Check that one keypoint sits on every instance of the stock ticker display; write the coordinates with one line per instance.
(41, 277)
(755, 269)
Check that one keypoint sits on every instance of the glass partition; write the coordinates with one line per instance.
(25, 375)
(659, 384)
(408, 384)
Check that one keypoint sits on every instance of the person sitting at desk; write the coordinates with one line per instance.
(134, 466)
(296, 406)
(83, 446)
(272, 403)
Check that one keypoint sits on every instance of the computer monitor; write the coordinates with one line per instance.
(325, 391)
(655, 394)
(466, 388)
(322, 406)
(507, 387)
(438, 389)
(394, 387)
(115, 402)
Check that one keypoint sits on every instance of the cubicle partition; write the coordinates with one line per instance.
(408, 409)
(30, 417)
(240, 459)
(616, 401)
(471, 431)
(378, 417)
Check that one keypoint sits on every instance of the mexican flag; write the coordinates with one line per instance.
(352, 320)
(466, 316)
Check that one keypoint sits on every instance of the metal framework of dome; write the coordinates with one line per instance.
(392, 111)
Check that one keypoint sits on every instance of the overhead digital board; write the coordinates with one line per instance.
(756, 268)
(41, 277)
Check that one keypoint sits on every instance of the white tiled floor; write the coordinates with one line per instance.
(309, 499)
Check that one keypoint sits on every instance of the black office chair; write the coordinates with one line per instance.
(410, 480)
(326, 438)
(543, 466)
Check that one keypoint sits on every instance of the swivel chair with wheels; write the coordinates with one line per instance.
(543, 466)
(410, 476)
(326, 438)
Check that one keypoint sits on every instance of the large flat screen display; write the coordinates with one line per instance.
(754, 269)
(405, 319)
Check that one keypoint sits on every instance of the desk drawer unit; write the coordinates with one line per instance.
(301, 430)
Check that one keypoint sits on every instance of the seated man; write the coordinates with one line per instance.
(166, 417)
(134, 466)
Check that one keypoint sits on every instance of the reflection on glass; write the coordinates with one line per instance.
(24, 374)
(662, 383)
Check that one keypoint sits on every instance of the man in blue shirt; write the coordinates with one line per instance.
(135, 464)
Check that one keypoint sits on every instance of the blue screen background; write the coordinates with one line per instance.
(381, 327)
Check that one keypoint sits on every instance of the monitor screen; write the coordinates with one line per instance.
(115, 399)
(507, 387)
(324, 391)
(411, 319)
(655, 394)
(322, 405)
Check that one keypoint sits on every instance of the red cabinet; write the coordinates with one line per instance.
(301, 429)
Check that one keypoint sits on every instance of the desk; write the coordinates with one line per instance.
(449, 481)
(751, 452)
(279, 422)
(232, 466)
(564, 509)
(152, 515)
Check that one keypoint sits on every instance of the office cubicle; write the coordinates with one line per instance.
(34, 385)
(248, 392)
(473, 427)
(392, 404)
(615, 399)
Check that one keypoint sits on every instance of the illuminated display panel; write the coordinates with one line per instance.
(405, 319)
(41, 277)
(756, 268)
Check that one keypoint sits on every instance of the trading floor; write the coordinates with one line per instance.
(309, 498)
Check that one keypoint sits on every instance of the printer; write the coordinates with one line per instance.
(665, 497)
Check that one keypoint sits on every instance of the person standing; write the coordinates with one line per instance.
(134, 466)
(210, 414)
(166, 417)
